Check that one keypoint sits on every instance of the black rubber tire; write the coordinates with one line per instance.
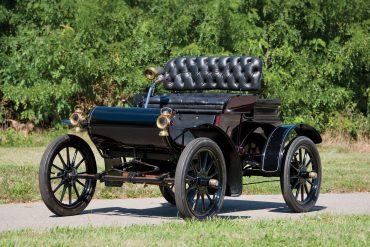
(48, 196)
(168, 194)
(192, 149)
(287, 181)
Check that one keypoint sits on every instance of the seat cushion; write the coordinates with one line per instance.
(240, 73)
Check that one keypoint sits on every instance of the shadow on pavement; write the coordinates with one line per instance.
(169, 211)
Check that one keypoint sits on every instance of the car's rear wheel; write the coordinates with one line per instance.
(301, 177)
(61, 191)
(200, 180)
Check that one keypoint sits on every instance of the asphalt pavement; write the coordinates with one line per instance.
(124, 212)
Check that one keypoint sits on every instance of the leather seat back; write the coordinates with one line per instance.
(239, 73)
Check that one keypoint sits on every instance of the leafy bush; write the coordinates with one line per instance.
(55, 54)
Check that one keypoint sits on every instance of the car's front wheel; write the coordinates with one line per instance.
(62, 192)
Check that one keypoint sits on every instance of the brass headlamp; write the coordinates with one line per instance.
(77, 116)
(164, 120)
(154, 74)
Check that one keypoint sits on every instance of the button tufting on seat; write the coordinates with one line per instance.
(227, 73)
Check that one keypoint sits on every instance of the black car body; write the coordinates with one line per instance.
(179, 139)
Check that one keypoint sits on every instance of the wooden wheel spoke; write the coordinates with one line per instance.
(309, 162)
(308, 181)
(304, 157)
(302, 193)
(74, 157)
(305, 188)
(300, 155)
(79, 182)
(213, 174)
(209, 166)
(199, 162)
(62, 160)
(59, 185)
(56, 177)
(79, 163)
(297, 192)
(209, 197)
(68, 158)
(63, 192)
(57, 167)
(69, 194)
(204, 161)
(295, 159)
(295, 185)
(76, 190)
(203, 203)
(296, 169)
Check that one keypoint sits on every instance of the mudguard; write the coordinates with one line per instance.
(272, 156)
(233, 164)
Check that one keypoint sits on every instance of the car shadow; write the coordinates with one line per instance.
(166, 210)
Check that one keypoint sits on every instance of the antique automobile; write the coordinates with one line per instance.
(196, 142)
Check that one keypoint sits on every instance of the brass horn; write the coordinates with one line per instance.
(77, 116)
(153, 73)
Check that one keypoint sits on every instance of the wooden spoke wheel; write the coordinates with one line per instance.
(62, 192)
(301, 178)
(200, 180)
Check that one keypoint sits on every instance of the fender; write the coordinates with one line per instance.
(272, 156)
(233, 163)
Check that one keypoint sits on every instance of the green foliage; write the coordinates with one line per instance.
(55, 54)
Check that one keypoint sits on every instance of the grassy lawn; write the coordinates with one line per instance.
(314, 231)
(343, 171)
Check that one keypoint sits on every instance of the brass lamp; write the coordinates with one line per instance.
(164, 120)
(77, 116)
(154, 74)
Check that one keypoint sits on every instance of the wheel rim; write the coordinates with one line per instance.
(68, 190)
(303, 187)
(202, 198)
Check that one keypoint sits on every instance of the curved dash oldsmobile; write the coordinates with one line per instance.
(195, 144)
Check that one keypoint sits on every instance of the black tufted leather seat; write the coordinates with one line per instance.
(202, 73)
(238, 73)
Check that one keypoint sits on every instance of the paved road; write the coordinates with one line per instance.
(155, 211)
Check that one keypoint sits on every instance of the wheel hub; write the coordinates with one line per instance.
(69, 174)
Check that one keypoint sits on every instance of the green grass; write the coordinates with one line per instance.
(343, 171)
(12, 138)
(320, 230)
